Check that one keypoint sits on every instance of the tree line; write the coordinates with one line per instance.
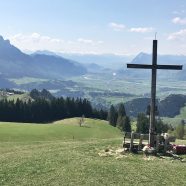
(43, 110)
(117, 117)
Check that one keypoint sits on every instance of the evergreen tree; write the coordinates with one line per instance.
(121, 110)
(127, 124)
(142, 123)
(121, 119)
(112, 116)
(121, 122)
(160, 127)
(34, 94)
(44, 109)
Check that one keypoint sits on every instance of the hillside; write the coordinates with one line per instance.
(67, 129)
(168, 107)
(49, 155)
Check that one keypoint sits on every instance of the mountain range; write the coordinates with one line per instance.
(14, 63)
(144, 58)
(45, 64)
(111, 61)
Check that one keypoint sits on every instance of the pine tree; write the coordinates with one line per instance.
(161, 127)
(121, 110)
(45, 110)
(123, 121)
(127, 124)
(120, 122)
(142, 123)
(112, 116)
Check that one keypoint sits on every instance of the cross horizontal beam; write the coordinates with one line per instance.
(170, 67)
(143, 66)
(139, 66)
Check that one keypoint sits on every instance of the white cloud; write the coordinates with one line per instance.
(36, 35)
(36, 41)
(116, 26)
(178, 20)
(86, 41)
(180, 35)
(89, 41)
(142, 29)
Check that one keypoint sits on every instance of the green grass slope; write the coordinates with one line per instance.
(60, 130)
(23, 97)
(77, 163)
(35, 154)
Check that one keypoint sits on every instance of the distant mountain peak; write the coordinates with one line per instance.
(1, 38)
(142, 55)
(45, 52)
(9, 51)
(15, 63)
(142, 58)
(3, 41)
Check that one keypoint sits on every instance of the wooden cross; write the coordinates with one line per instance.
(154, 68)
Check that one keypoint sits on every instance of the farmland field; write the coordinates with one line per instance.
(63, 153)
(102, 83)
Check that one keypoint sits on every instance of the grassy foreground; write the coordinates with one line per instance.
(35, 155)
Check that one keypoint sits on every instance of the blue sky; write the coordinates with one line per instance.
(95, 26)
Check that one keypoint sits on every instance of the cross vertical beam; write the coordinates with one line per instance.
(153, 94)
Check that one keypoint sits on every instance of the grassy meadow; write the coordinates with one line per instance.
(67, 129)
(63, 153)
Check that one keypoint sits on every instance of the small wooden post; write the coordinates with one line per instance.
(124, 140)
(157, 142)
(131, 142)
(140, 141)
(165, 145)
